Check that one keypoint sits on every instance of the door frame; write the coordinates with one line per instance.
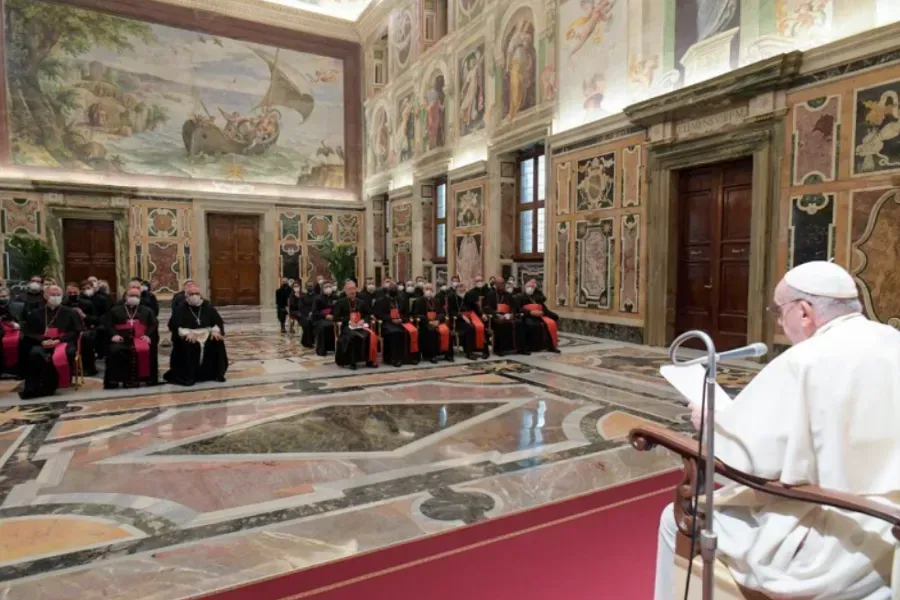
(55, 216)
(764, 143)
(267, 216)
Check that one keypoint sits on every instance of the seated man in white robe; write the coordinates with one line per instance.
(198, 341)
(826, 413)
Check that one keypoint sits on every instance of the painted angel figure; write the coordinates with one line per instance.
(593, 23)
(472, 95)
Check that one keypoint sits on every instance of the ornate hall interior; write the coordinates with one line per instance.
(641, 167)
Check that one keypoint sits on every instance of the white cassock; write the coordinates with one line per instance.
(826, 412)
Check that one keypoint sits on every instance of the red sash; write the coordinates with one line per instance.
(413, 337)
(395, 313)
(443, 332)
(141, 347)
(475, 320)
(60, 360)
(325, 312)
(373, 339)
(503, 309)
(550, 323)
(11, 337)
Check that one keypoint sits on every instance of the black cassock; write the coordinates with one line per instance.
(89, 336)
(354, 344)
(321, 326)
(300, 310)
(131, 361)
(282, 297)
(396, 339)
(455, 305)
(192, 362)
(507, 329)
(47, 369)
(429, 311)
(12, 358)
(537, 333)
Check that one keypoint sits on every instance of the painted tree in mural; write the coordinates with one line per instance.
(39, 34)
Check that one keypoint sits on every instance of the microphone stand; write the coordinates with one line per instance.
(708, 539)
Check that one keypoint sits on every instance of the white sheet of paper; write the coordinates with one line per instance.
(690, 381)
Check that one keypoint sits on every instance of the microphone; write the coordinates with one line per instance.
(750, 351)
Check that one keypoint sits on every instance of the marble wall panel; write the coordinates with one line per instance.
(876, 129)
(811, 228)
(402, 262)
(632, 169)
(163, 267)
(875, 244)
(528, 271)
(401, 220)
(508, 217)
(315, 264)
(19, 214)
(563, 188)
(629, 264)
(319, 227)
(378, 234)
(595, 183)
(289, 254)
(348, 228)
(815, 140)
(427, 230)
(563, 234)
(593, 264)
(469, 207)
(161, 243)
(469, 257)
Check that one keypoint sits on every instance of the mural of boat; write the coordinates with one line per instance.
(251, 134)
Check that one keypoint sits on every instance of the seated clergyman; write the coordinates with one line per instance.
(133, 343)
(321, 319)
(357, 343)
(825, 413)
(198, 341)
(540, 323)
(51, 335)
(10, 314)
(434, 334)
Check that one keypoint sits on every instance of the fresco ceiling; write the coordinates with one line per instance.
(342, 9)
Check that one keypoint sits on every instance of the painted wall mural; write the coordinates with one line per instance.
(404, 38)
(816, 130)
(379, 143)
(811, 229)
(593, 274)
(469, 207)
(471, 85)
(91, 91)
(876, 129)
(161, 244)
(875, 243)
(469, 257)
(401, 219)
(19, 215)
(519, 81)
(405, 135)
(434, 112)
(467, 11)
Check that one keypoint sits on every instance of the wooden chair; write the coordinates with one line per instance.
(649, 436)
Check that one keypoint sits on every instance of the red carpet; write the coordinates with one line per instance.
(597, 546)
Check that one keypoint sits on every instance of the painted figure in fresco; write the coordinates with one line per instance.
(469, 258)
(882, 118)
(521, 66)
(594, 89)
(406, 130)
(471, 108)
(714, 17)
(381, 142)
(808, 16)
(597, 14)
(434, 114)
(403, 37)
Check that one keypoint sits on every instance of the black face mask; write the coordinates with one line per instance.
(73, 297)
(4, 301)
(393, 292)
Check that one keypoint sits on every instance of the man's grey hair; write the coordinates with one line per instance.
(827, 309)
(3, 288)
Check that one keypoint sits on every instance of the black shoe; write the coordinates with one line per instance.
(372, 365)
(283, 330)
(397, 364)
(220, 379)
(485, 354)
(526, 353)
(451, 358)
(555, 351)
(434, 360)
(352, 366)
(416, 361)
(471, 356)
(110, 386)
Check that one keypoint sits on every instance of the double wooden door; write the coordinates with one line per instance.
(234, 266)
(714, 206)
(89, 249)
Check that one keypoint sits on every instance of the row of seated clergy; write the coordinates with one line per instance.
(424, 327)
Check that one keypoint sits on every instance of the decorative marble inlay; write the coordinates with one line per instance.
(319, 227)
(632, 169)
(817, 126)
(528, 271)
(469, 257)
(289, 225)
(401, 220)
(508, 216)
(161, 243)
(563, 187)
(595, 185)
(629, 268)
(402, 261)
(811, 229)
(162, 222)
(562, 263)
(27, 537)
(315, 264)
(875, 243)
(163, 267)
(876, 129)
(20, 215)
(469, 207)
(348, 228)
(593, 263)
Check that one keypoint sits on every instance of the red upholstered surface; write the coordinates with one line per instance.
(597, 546)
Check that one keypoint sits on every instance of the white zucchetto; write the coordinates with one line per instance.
(822, 278)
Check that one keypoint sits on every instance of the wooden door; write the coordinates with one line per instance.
(714, 206)
(233, 259)
(89, 248)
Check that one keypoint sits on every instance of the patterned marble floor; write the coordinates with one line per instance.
(168, 493)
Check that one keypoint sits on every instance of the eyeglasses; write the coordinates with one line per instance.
(776, 309)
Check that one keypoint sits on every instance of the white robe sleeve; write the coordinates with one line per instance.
(765, 432)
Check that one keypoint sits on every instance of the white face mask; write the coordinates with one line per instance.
(410, 289)
(319, 281)
(195, 299)
(34, 286)
(420, 284)
(509, 289)
(54, 301)
(296, 288)
(479, 284)
(529, 290)
(132, 300)
(429, 294)
(290, 282)
(460, 294)
(144, 288)
(443, 288)
(370, 288)
(326, 290)
(88, 292)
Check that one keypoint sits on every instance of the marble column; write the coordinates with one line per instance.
(493, 219)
